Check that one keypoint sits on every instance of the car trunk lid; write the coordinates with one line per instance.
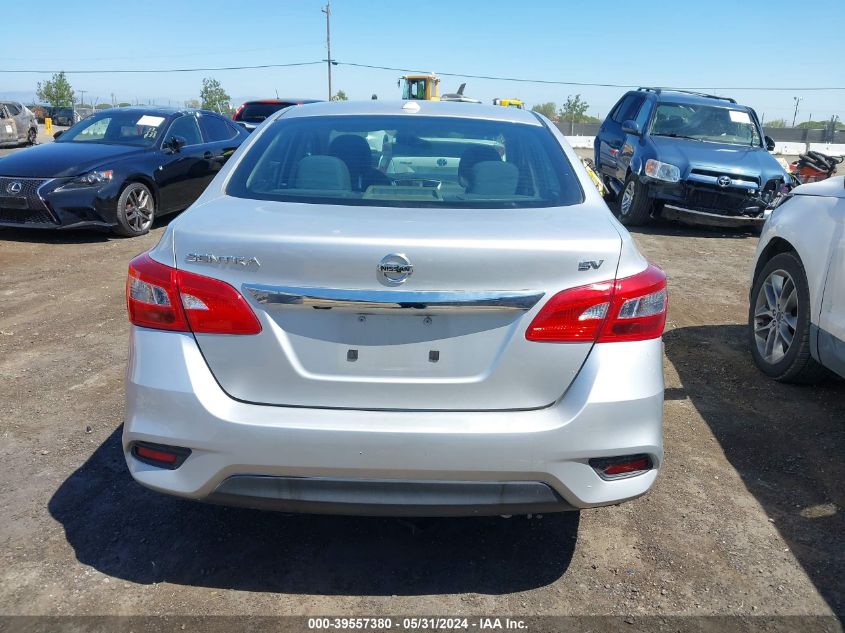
(338, 333)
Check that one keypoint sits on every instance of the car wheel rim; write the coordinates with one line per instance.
(776, 316)
(627, 198)
(139, 209)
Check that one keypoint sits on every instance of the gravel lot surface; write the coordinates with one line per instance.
(745, 518)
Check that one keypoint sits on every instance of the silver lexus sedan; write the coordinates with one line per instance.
(397, 308)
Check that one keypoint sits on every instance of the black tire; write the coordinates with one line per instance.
(31, 136)
(795, 363)
(136, 210)
(637, 210)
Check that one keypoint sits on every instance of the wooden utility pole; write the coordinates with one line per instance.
(328, 11)
(795, 116)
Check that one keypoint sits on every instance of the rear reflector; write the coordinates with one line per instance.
(164, 298)
(629, 309)
(619, 467)
(170, 457)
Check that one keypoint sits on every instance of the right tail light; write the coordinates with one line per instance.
(629, 309)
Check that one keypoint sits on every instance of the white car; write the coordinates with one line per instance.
(452, 323)
(797, 302)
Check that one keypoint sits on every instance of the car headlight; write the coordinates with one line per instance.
(92, 178)
(662, 171)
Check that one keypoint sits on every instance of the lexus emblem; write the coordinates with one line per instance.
(14, 187)
(395, 268)
(723, 181)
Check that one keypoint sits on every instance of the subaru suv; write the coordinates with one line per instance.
(456, 325)
(690, 156)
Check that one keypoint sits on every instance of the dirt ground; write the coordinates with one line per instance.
(746, 518)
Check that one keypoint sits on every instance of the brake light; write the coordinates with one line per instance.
(629, 309)
(237, 112)
(164, 298)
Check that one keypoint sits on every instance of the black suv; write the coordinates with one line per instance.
(691, 156)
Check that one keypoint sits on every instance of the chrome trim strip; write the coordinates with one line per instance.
(452, 301)
(44, 201)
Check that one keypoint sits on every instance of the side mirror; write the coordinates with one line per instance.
(176, 143)
(58, 134)
(631, 127)
(770, 143)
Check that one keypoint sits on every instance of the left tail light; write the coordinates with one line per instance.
(628, 309)
(237, 112)
(164, 298)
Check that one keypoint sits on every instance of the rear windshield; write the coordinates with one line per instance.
(257, 112)
(407, 161)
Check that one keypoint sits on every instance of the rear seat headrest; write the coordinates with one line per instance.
(493, 178)
(322, 173)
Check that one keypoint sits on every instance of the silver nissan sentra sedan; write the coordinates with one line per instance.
(420, 308)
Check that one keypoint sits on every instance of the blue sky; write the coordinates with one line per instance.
(704, 44)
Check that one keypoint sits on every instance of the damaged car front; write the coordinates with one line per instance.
(701, 160)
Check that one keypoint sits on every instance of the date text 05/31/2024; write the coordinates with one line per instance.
(419, 623)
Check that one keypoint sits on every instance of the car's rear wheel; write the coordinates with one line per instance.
(634, 203)
(779, 322)
(31, 136)
(135, 210)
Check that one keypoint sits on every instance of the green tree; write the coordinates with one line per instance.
(340, 95)
(574, 110)
(776, 123)
(123, 104)
(56, 91)
(548, 109)
(213, 96)
(820, 125)
(192, 103)
(102, 106)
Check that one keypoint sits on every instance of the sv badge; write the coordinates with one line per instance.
(589, 264)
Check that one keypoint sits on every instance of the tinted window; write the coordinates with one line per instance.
(186, 127)
(216, 129)
(628, 108)
(257, 112)
(113, 126)
(403, 161)
(14, 110)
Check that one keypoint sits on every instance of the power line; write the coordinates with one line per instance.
(415, 70)
(576, 83)
(158, 70)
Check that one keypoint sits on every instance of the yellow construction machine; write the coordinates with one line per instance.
(510, 103)
(426, 87)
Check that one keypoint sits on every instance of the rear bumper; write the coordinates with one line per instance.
(325, 495)
(393, 462)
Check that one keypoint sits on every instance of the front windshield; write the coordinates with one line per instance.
(405, 161)
(705, 123)
(121, 128)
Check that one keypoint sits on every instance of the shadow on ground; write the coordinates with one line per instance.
(787, 443)
(128, 532)
(672, 228)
